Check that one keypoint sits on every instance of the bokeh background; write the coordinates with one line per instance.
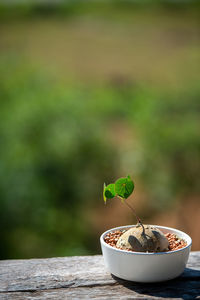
(91, 91)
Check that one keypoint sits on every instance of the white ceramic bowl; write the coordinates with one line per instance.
(146, 267)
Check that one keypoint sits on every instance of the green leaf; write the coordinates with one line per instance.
(124, 187)
(109, 191)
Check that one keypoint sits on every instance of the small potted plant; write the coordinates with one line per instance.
(142, 253)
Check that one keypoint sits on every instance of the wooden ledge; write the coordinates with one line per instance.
(85, 277)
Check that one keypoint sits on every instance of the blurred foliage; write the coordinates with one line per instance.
(54, 159)
(69, 8)
(56, 153)
(60, 142)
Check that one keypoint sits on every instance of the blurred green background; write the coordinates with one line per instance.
(91, 91)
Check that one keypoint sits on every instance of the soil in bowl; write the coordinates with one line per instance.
(175, 242)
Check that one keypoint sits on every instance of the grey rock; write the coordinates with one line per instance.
(143, 239)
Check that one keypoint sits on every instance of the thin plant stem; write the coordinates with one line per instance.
(133, 211)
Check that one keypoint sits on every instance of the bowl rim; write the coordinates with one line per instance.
(189, 241)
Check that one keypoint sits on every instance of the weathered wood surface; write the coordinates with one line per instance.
(85, 277)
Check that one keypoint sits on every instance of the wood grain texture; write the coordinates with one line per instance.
(85, 277)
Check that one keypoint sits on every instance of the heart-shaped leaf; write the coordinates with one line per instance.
(109, 191)
(124, 187)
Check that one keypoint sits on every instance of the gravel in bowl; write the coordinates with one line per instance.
(175, 242)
